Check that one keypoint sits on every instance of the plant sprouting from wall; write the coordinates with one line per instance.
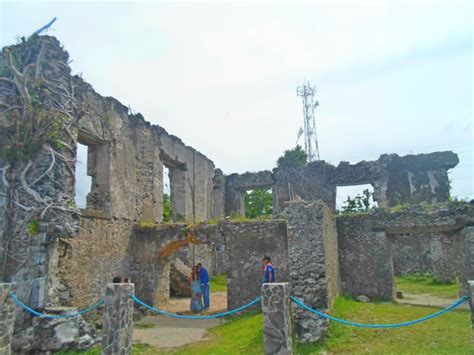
(38, 120)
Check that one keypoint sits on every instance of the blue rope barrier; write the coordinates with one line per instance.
(180, 316)
(396, 325)
(53, 316)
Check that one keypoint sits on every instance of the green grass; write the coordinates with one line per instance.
(242, 335)
(448, 334)
(219, 283)
(425, 284)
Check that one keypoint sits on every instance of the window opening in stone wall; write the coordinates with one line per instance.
(166, 195)
(83, 181)
(258, 203)
(355, 198)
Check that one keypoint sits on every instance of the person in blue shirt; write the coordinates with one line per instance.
(205, 289)
(268, 270)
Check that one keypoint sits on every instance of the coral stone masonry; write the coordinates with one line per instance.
(62, 256)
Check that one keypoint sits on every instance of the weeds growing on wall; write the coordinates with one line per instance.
(38, 121)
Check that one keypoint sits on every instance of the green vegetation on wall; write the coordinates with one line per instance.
(293, 158)
(258, 203)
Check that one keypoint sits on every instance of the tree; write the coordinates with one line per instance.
(293, 158)
(258, 203)
(166, 208)
(360, 203)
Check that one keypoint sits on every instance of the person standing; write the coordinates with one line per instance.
(196, 293)
(205, 287)
(268, 270)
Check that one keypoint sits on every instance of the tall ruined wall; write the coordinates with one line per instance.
(314, 265)
(435, 239)
(246, 244)
(128, 172)
(396, 180)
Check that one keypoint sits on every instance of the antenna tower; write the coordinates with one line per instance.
(306, 92)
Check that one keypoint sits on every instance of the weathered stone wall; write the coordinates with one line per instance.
(467, 263)
(311, 183)
(87, 263)
(365, 259)
(439, 238)
(237, 184)
(314, 269)
(128, 173)
(246, 244)
(407, 179)
(437, 253)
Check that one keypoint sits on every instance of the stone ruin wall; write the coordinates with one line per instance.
(374, 247)
(314, 264)
(435, 253)
(396, 180)
(126, 158)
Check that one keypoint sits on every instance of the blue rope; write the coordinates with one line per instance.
(397, 325)
(53, 316)
(45, 27)
(179, 316)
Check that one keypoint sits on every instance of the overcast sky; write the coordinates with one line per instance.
(391, 77)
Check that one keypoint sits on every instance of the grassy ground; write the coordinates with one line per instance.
(448, 334)
(219, 283)
(424, 284)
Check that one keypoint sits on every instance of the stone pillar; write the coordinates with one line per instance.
(7, 319)
(467, 264)
(471, 303)
(276, 319)
(118, 319)
(308, 273)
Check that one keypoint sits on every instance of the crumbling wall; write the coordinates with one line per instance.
(396, 180)
(132, 154)
(440, 239)
(236, 185)
(90, 261)
(436, 253)
(246, 245)
(310, 183)
(314, 265)
(365, 259)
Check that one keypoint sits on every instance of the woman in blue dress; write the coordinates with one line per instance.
(196, 295)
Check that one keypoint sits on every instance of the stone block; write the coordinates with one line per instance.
(7, 318)
(118, 319)
(276, 319)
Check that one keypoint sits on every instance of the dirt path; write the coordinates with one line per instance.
(424, 299)
(164, 332)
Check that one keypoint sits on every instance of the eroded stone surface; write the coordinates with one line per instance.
(276, 319)
(313, 279)
(7, 318)
(118, 319)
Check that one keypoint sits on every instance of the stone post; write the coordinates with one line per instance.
(467, 264)
(276, 319)
(308, 272)
(118, 319)
(7, 319)
(471, 303)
